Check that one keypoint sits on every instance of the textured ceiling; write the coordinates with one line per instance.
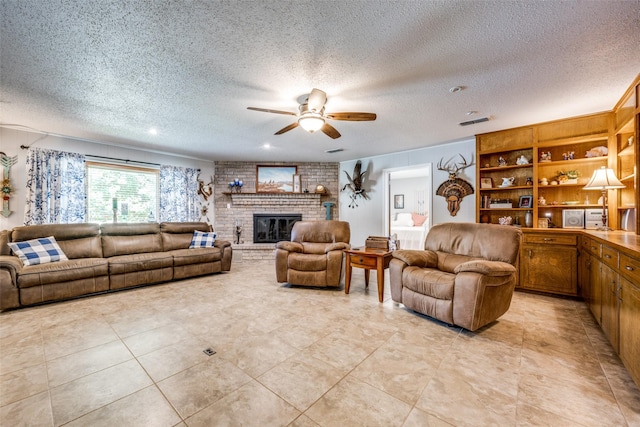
(107, 71)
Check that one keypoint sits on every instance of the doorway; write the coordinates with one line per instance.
(408, 204)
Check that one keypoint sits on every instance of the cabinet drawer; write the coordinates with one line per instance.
(551, 239)
(591, 246)
(610, 256)
(630, 268)
(363, 261)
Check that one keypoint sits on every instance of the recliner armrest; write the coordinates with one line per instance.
(338, 246)
(290, 246)
(11, 263)
(486, 267)
(221, 243)
(417, 258)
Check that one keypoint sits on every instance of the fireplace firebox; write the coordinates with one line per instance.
(273, 228)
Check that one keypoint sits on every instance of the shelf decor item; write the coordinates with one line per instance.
(604, 179)
(525, 202)
(568, 177)
(486, 183)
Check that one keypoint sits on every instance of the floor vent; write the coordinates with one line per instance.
(209, 351)
(473, 122)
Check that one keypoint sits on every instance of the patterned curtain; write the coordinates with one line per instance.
(56, 191)
(178, 194)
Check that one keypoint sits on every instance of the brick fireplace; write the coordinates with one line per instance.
(233, 209)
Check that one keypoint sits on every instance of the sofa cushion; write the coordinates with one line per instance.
(63, 271)
(178, 235)
(202, 240)
(123, 264)
(307, 262)
(38, 251)
(489, 241)
(429, 281)
(195, 256)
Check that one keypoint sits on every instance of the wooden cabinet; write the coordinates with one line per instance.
(627, 132)
(554, 151)
(549, 263)
(609, 305)
(505, 175)
(629, 329)
(614, 296)
(595, 288)
(579, 145)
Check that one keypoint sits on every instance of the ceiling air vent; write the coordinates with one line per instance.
(334, 150)
(473, 122)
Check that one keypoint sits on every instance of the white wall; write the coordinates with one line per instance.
(409, 188)
(368, 218)
(12, 139)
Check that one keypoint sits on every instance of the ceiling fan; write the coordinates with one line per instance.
(312, 117)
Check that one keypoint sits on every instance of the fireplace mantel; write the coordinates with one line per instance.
(273, 198)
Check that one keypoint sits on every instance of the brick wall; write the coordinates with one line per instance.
(232, 208)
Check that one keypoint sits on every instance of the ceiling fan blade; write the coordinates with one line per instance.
(354, 117)
(266, 110)
(330, 131)
(287, 128)
(317, 99)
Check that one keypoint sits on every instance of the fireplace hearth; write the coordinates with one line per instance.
(273, 228)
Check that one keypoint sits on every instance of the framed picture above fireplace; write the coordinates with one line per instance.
(275, 179)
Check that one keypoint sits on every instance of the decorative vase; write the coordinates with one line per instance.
(528, 219)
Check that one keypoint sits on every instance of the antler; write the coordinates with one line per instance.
(455, 168)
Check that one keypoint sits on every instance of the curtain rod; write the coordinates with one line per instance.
(91, 156)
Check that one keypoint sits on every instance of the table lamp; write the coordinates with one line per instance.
(604, 179)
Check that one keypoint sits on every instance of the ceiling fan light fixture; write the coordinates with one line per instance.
(311, 122)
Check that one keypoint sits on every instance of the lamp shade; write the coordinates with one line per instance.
(603, 179)
(311, 122)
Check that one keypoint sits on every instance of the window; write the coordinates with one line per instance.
(133, 191)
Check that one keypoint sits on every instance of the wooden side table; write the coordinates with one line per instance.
(367, 258)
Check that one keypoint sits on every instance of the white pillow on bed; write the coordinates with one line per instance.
(403, 219)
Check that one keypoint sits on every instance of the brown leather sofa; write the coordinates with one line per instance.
(465, 276)
(314, 255)
(105, 258)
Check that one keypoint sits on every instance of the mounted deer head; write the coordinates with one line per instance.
(454, 189)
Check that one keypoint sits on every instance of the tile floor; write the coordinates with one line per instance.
(291, 356)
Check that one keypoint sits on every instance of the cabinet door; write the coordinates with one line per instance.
(595, 289)
(610, 320)
(629, 330)
(549, 268)
(584, 273)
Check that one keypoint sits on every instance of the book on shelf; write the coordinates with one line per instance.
(500, 203)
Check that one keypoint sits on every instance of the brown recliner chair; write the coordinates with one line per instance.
(314, 255)
(465, 276)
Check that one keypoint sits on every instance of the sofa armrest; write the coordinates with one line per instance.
(338, 246)
(486, 267)
(221, 244)
(290, 246)
(417, 258)
(11, 263)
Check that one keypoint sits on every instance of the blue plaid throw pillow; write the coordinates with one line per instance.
(202, 240)
(38, 251)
